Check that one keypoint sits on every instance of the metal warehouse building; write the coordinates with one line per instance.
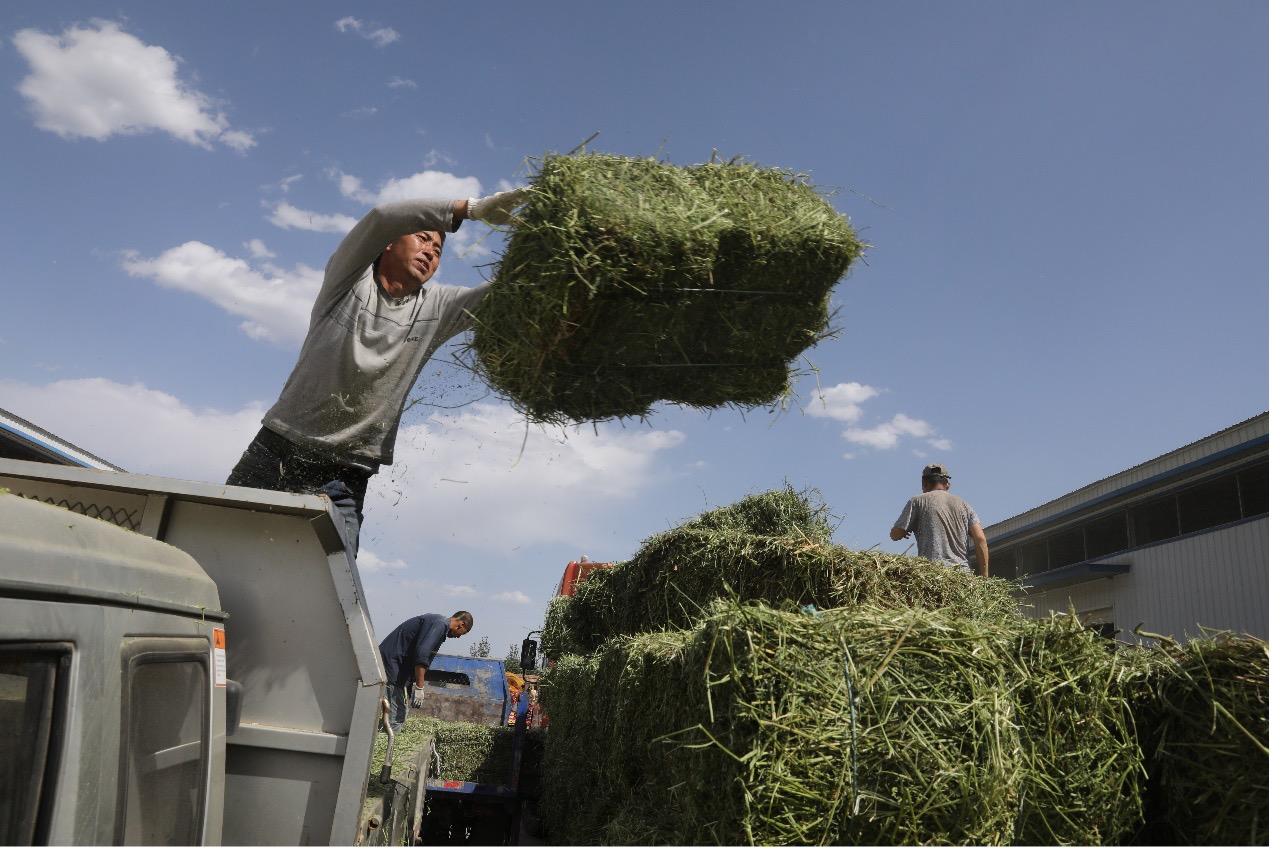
(1179, 543)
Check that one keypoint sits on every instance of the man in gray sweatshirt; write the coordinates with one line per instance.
(373, 327)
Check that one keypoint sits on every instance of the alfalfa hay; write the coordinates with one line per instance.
(1207, 741)
(773, 547)
(856, 725)
(466, 751)
(627, 281)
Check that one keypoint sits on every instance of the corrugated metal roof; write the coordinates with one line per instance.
(35, 442)
(1253, 430)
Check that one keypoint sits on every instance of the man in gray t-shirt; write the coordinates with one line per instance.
(943, 523)
(373, 327)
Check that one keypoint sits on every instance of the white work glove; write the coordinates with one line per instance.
(498, 208)
(417, 697)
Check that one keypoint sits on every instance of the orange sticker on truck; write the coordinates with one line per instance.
(219, 657)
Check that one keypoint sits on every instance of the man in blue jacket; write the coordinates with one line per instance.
(407, 653)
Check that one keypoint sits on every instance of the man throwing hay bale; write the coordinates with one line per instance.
(374, 325)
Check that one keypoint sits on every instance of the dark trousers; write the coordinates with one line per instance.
(273, 462)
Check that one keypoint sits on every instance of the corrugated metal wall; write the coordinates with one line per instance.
(1215, 580)
(1244, 432)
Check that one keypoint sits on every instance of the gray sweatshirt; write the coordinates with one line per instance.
(364, 349)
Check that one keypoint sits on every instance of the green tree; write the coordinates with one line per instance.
(482, 648)
(513, 660)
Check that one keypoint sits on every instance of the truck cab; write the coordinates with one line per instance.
(112, 685)
(180, 663)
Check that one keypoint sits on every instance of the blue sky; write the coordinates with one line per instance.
(1068, 205)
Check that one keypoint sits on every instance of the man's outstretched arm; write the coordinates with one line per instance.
(984, 554)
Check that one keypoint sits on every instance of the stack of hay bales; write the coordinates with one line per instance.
(696, 700)
(1205, 723)
(630, 281)
(773, 547)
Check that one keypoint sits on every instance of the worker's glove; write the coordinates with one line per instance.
(498, 208)
(417, 697)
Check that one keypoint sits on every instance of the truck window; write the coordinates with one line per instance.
(164, 742)
(28, 704)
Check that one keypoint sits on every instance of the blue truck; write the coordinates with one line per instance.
(422, 806)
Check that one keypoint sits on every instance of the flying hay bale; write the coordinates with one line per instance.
(1208, 746)
(630, 281)
(773, 547)
(856, 725)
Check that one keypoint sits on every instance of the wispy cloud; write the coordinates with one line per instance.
(274, 304)
(399, 82)
(844, 403)
(514, 597)
(289, 217)
(526, 478)
(888, 434)
(96, 81)
(369, 561)
(369, 30)
(423, 184)
(360, 112)
(257, 248)
(141, 429)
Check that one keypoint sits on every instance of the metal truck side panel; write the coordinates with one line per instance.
(300, 639)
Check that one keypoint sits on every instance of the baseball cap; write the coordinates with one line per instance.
(936, 470)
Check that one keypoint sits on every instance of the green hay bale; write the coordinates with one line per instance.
(776, 512)
(772, 547)
(557, 637)
(743, 730)
(678, 574)
(630, 281)
(1209, 745)
(1083, 785)
(467, 752)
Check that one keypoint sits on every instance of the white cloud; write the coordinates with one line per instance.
(95, 81)
(351, 187)
(888, 434)
(458, 591)
(286, 182)
(424, 184)
(275, 305)
(468, 242)
(288, 217)
(842, 402)
(371, 31)
(429, 184)
(368, 561)
(143, 430)
(257, 248)
(399, 82)
(520, 485)
(360, 112)
(514, 597)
